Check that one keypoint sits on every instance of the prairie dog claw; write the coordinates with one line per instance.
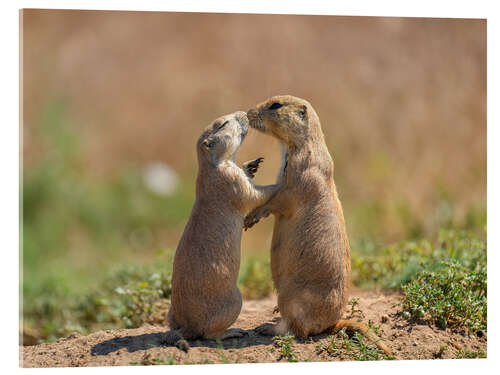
(252, 166)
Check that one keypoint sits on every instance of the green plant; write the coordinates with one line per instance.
(355, 311)
(284, 344)
(127, 296)
(255, 278)
(396, 265)
(469, 354)
(453, 295)
(357, 349)
(354, 346)
(138, 298)
(149, 360)
(440, 352)
(364, 352)
(331, 347)
(220, 349)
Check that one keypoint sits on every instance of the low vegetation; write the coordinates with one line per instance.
(355, 346)
(284, 346)
(395, 265)
(451, 288)
(447, 287)
(454, 295)
(471, 354)
(127, 297)
(255, 278)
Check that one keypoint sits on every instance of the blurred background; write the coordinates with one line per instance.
(113, 103)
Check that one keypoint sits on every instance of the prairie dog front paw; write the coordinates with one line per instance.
(254, 217)
(251, 167)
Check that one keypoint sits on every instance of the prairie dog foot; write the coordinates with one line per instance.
(233, 333)
(251, 167)
(254, 217)
(267, 330)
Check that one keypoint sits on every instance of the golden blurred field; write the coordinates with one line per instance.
(402, 103)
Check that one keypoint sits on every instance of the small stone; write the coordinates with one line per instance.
(73, 335)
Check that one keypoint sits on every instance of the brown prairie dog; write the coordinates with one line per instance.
(205, 298)
(310, 255)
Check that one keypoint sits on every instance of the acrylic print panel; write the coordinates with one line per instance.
(113, 105)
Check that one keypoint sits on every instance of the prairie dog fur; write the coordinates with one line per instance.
(205, 298)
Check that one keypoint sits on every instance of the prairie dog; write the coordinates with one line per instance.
(310, 255)
(205, 298)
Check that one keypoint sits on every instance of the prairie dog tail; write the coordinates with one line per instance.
(365, 330)
(174, 338)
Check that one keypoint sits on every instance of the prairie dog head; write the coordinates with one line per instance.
(221, 140)
(286, 117)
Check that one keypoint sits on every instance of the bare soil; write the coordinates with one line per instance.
(142, 346)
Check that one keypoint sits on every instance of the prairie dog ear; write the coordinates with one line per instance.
(302, 112)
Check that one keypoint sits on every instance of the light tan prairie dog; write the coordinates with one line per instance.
(205, 298)
(310, 256)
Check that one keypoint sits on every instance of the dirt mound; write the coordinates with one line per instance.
(142, 346)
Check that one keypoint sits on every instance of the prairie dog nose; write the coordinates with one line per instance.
(242, 118)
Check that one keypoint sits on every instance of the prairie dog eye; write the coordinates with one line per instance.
(208, 143)
(302, 112)
(275, 105)
(224, 124)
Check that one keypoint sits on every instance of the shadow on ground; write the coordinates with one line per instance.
(152, 340)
